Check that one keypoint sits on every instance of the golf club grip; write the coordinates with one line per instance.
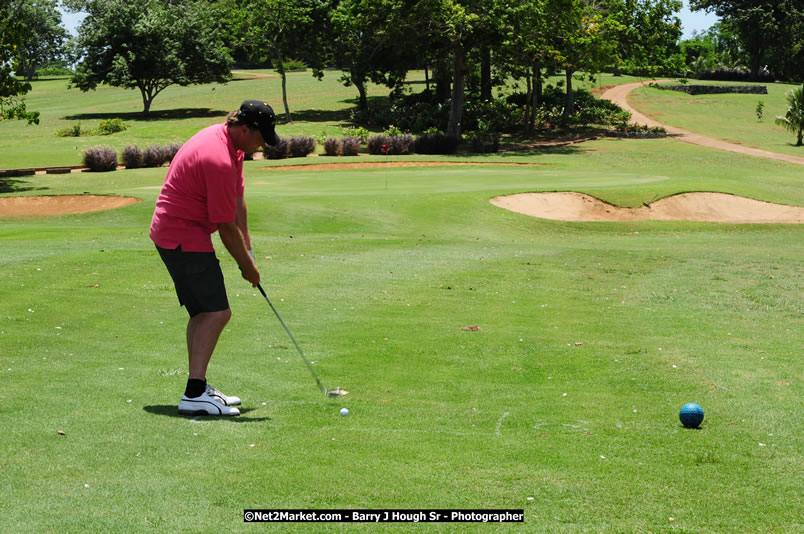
(293, 339)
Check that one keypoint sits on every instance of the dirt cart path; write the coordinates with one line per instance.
(619, 95)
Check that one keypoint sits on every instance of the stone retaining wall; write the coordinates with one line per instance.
(716, 89)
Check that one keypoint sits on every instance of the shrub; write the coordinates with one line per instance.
(71, 131)
(498, 115)
(171, 150)
(100, 159)
(735, 75)
(54, 70)
(277, 151)
(393, 131)
(350, 146)
(292, 65)
(332, 147)
(299, 146)
(361, 133)
(636, 130)
(132, 157)
(378, 144)
(436, 143)
(552, 117)
(374, 113)
(110, 126)
(793, 119)
(154, 156)
(418, 115)
(401, 145)
(599, 115)
(484, 141)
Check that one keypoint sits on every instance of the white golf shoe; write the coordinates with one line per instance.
(205, 404)
(224, 399)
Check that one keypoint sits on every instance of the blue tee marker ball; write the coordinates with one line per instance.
(691, 415)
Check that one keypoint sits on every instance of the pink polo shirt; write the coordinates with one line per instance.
(200, 191)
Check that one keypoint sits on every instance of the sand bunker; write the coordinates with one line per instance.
(712, 207)
(61, 204)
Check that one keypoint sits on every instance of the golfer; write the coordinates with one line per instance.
(203, 193)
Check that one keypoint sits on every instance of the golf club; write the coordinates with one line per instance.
(335, 392)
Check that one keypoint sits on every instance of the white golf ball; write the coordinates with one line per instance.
(344, 411)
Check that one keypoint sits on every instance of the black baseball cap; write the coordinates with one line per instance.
(259, 115)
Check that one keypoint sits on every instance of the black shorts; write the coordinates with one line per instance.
(198, 280)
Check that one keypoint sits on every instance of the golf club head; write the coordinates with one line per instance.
(337, 392)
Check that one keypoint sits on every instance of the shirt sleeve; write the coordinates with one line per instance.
(241, 186)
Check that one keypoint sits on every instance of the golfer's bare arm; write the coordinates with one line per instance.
(238, 243)
(241, 219)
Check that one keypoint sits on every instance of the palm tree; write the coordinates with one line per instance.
(793, 121)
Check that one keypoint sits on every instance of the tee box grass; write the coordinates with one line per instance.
(564, 402)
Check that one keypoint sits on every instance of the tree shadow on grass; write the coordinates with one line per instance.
(159, 115)
(517, 151)
(10, 185)
(316, 115)
(172, 411)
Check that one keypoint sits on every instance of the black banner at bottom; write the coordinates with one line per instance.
(423, 515)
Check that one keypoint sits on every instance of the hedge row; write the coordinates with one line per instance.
(104, 158)
(378, 145)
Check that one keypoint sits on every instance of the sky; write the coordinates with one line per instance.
(695, 20)
(690, 21)
(71, 20)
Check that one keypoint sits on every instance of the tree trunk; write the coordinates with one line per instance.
(756, 63)
(536, 97)
(442, 79)
(357, 80)
(485, 74)
(147, 98)
(284, 75)
(458, 96)
(569, 107)
(529, 114)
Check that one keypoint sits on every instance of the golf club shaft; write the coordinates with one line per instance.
(298, 348)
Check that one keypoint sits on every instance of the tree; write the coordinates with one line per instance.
(265, 29)
(716, 48)
(526, 51)
(583, 36)
(12, 31)
(648, 34)
(793, 120)
(461, 26)
(762, 25)
(149, 46)
(372, 43)
(44, 38)
(787, 55)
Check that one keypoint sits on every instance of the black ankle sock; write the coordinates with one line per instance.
(195, 388)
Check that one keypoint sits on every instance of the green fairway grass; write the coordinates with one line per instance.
(177, 113)
(731, 117)
(317, 108)
(565, 402)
